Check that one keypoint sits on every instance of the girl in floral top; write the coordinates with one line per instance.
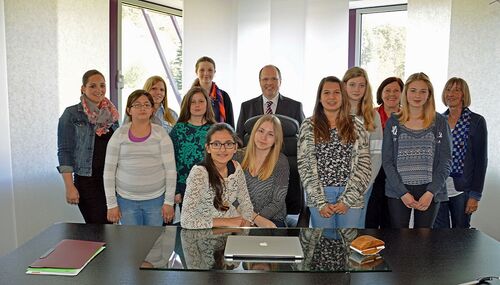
(333, 159)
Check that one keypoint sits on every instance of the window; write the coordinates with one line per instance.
(150, 44)
(381, 42)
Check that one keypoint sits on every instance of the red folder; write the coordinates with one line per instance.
(68, 253)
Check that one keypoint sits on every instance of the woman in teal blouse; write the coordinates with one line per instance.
(188, 135)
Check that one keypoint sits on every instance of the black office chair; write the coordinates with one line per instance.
(295, 204)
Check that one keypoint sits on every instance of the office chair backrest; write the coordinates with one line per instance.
(290, 126)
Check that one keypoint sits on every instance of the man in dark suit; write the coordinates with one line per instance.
(270, 102)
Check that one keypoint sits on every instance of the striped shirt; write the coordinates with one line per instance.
(268, 196)
(139, 170)
(416, 155)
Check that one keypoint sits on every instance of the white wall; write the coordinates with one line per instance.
(428, 41)
(47, 52)
(242, 36)
(8, 237)
(448, 38)
(475, 56)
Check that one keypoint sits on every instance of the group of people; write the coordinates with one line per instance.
(360, 166)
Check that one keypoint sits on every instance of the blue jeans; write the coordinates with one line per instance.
(366, 198)
(455, 208)
(347, 220)
(146, 212)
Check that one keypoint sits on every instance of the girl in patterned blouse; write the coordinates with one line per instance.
(188, 135)
(216, 191)
(333, 159)
(416, 155)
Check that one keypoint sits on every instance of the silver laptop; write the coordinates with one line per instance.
(263, 248)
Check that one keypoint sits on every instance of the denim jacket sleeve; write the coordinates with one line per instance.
(442, 159)
(66, 142)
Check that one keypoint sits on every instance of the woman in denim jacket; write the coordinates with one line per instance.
(83, 133)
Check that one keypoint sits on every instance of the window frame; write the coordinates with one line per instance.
(116, 75)
(371, 10)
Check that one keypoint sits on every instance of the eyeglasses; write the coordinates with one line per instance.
(218, 145)
(140, 106)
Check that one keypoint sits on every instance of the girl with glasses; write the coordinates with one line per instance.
(139, 173)
(216, 192)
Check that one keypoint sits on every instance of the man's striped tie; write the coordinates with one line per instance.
(268, 107)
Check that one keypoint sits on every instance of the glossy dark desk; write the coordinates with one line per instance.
(414, 256)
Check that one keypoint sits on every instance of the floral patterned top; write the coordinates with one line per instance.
(189, 146)
(198, 211)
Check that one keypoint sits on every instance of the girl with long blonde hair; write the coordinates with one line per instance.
(359, 91)
(416, 156)
(267, 170)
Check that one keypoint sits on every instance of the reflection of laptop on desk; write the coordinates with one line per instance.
(276, 248)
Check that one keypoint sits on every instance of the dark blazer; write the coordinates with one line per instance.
(254, 107)
(476, 158)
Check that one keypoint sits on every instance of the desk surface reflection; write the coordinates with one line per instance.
(325, 250)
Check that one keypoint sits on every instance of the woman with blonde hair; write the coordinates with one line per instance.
(333, 159)
(266, 169)
(416, 156)
(166, 117)
(359, 92)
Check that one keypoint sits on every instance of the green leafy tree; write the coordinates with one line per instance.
(176, 65)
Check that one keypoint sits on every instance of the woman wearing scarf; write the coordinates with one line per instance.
(221, 103)
(470, 157)
(83, 133)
